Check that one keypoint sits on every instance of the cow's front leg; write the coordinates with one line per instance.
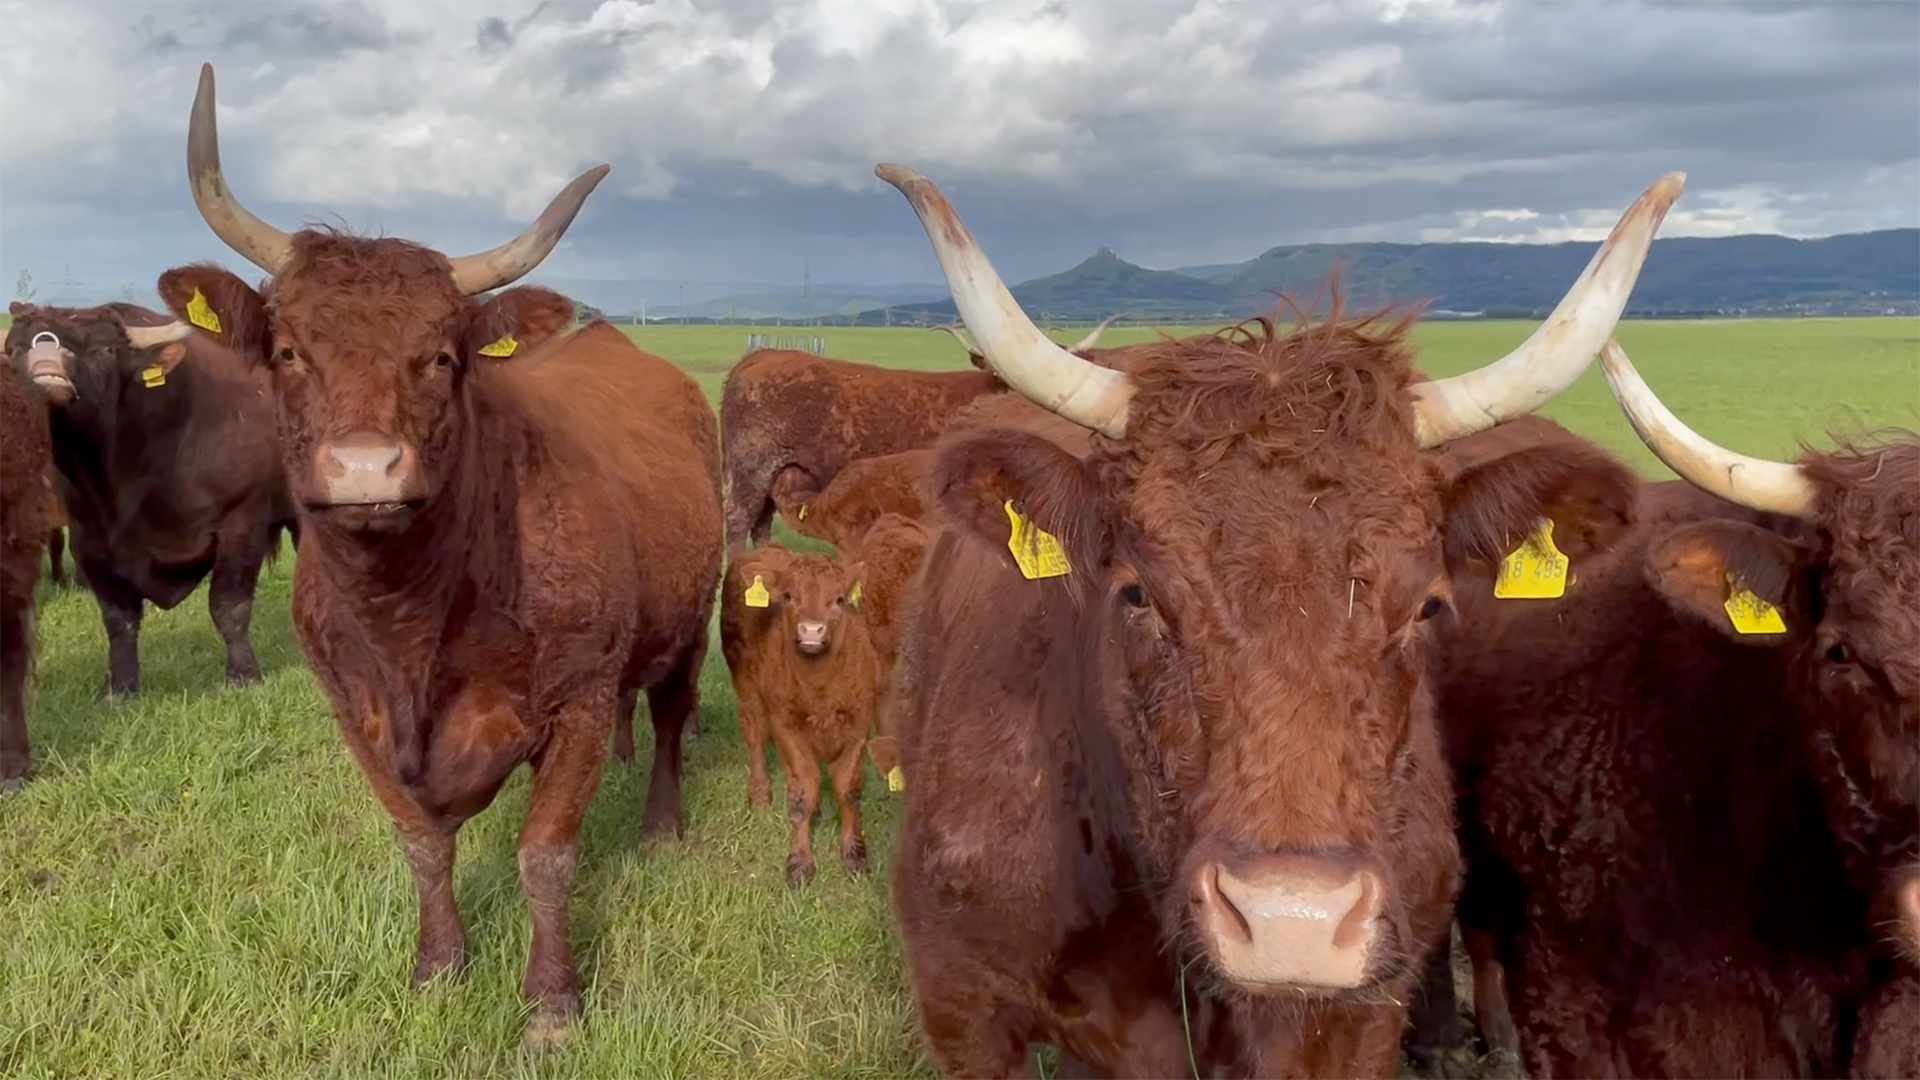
(566, 776)
(236, 573)
(120, 612)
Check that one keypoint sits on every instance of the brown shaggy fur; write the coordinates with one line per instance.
(167, 485)
(25, 457)
(1626, 733)
(858, 496)
(795, 420)
(1235, 664)
(561, 553)
(817, 706)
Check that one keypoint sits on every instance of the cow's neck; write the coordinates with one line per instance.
(459, 554)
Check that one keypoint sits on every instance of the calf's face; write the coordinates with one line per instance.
(811, 596)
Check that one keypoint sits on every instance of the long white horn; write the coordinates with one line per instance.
(1093, 336)
(146, 337)
(260, 243)
(517, 257)
(1558, 353)
(1023, 357)
(1752, 482)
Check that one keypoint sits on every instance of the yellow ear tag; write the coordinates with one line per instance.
(506, 346)
(200, 313)
(1750, 614)
(757, 594)
(853, 595)
(1535, 571)
(154, 376)
(801, 515)
(1037, 551)
(896, 780)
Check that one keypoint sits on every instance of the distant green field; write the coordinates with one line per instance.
(198, 882)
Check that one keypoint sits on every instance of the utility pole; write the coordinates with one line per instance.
(683, 305)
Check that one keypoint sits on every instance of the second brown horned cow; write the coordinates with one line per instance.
(1175, 800)
(805, 671)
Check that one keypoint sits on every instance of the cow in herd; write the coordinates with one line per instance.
(164, 458)
(1223, 673)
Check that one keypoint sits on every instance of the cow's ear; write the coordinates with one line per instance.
(977, 476)
(219, 303)
(19, 308)
(1493, 504)
(1702, 567)
(518, 321)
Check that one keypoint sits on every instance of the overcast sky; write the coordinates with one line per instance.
(743, 136)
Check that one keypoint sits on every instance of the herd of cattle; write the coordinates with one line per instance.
(1220, 675)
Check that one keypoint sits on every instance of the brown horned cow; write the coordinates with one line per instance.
(790, 421)
(25, 457)
(165, 459)
(1177, 803)
(1754, 783)
(805, 672)
(506, 532)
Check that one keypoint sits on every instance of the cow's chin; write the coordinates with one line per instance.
(366, 519)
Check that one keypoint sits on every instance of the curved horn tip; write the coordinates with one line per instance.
(897, 175)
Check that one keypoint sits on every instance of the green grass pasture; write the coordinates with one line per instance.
(198, 882)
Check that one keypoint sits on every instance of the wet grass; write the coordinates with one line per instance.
(198, 883)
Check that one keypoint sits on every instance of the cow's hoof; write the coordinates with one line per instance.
(243, 676)
(430, 966)
(799, 871)
(12, 784)
(856, 860)
(548, 1029)
(662, 829)
(111, 695)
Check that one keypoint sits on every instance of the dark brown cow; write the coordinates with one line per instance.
(1182, 808)
(506, 531)
(1688, 845)
(25, 457)
(863, 491)
(790, 421)
(805, 671)
(164, 443)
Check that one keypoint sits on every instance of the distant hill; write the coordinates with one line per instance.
(1861, 273)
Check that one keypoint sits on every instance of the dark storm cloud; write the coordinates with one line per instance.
(743, 135)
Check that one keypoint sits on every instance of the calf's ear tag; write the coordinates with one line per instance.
(154, 376)
(1750, 614)
(896, 780)
(757, 595)
(506, 346)
(801, 515)
(201, 314)
(1037, 551)
(853, 595)
(1536, 570)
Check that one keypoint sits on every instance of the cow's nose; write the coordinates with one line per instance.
(812, 637)
(1908, 901)
(1290, 920)
(364, 468)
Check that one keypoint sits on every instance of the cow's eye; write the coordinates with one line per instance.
(1432, 608)
(1134, 595)
(1838, 654)
(285, 354)
(445, 359)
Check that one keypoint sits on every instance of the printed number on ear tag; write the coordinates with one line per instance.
(1536, 570)
(896, 780)
(757, 594)
(201, 314)
(1037, 551)
(1750, 614)
(154, 376)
